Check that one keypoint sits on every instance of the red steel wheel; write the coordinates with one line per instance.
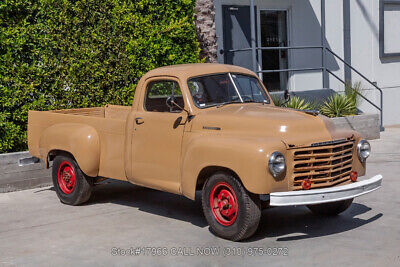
(223, 203)
(66, 177)
(72, 186)
(231, 211)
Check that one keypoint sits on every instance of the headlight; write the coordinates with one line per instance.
(277, 164)
(363, 150)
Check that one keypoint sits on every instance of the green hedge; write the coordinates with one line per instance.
(66, 54)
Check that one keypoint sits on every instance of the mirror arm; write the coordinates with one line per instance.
(189, 116)
(286, 96)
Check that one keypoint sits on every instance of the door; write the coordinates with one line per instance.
(274, 33)
(237, 35)
(157, 136)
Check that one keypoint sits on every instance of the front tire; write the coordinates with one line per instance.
(72, 186)
(231, 211)
(332, 208)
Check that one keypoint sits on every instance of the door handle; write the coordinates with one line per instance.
(139, 120)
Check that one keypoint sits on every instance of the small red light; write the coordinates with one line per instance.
(306, 184)
(353, 176)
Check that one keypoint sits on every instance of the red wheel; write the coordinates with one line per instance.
(224, 204)
(72, 186)
(231, 211)
(66, 177)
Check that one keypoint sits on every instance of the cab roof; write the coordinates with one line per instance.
(185, 71)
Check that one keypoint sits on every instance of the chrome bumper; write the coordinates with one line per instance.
(324, 195)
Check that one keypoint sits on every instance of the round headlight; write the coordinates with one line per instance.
(363, 150)
(277, 164)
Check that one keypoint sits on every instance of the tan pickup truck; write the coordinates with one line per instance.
(206, 127)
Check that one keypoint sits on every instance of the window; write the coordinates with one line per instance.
(157, 94)
(389, 34)
(274, 33)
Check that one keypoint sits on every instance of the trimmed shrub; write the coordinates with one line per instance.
(58, 54)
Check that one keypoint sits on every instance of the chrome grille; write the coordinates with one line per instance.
(324, 165)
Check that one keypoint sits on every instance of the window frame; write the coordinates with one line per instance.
(382, 53)
(232, 73)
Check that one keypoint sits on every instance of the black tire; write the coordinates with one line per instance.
(81, 191)
(332, 208)
(248, 208)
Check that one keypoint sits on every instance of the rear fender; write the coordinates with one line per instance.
(80, 140)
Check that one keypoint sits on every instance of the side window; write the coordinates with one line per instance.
(157, 94)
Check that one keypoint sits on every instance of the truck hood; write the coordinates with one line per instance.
(294, 128)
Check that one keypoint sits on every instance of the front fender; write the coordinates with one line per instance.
(81, 140)
(246, 156)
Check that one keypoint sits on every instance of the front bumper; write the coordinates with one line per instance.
(324, 195)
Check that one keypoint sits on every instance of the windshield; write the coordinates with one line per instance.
(227, 88)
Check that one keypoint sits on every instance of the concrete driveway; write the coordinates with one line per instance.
(129, 225)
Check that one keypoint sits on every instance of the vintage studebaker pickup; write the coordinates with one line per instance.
(206, 127)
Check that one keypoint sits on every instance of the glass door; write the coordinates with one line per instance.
(274, 33)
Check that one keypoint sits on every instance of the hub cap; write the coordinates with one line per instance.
(223, 203)
(66, 177)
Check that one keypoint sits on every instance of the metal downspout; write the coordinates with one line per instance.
(253, 35)
(325, 82)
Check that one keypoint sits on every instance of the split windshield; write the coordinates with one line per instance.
(227, 88)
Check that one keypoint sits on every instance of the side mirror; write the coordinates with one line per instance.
(286, 95)
(171, 104)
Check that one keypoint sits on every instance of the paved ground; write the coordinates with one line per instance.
(36, 229)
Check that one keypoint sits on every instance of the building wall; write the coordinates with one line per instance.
(365, 57)
(305, 30)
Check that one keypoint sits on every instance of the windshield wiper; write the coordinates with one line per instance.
(227, 103)
(254, 101)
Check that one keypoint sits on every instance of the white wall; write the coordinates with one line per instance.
(365, 57)
(335, 41)
(304, 30)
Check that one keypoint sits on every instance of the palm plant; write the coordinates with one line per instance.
(339, 106)
(296, 102)
(278, 101)
(353, 92)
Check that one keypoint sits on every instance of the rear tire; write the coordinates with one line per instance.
(236, 213)
(332, 208)
(72, 186)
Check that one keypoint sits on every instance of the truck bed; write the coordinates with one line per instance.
(109, 122)
(108, 112)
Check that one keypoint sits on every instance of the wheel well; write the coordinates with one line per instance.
(56, 152)
(206, 172)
